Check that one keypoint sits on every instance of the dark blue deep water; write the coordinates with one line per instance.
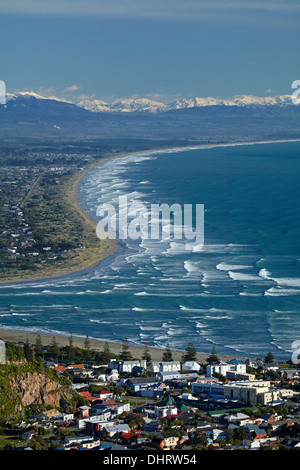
(239, 292)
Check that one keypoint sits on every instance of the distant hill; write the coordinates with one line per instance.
(242, 118)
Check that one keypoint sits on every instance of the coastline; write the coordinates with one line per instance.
(16, 336)
(112, 245)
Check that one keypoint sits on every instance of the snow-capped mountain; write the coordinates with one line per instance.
(241, 100)
(31, 94)
(145, 104)
(128, 105)
(29, 114)
(125, 105)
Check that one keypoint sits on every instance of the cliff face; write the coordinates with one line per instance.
(37, 388)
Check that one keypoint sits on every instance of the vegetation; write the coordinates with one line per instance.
(50, 234)
(212, 357)
(167, 355)
(125, 354)
(190, 353)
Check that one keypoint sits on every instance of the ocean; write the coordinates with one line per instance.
(239, 292)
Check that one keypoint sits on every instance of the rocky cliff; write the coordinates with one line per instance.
(26, 385)
(38, 388)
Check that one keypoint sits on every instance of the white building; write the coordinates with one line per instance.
(191, 365)
(224, 367)
(163, 411)
(171, 366)
(251, 391)
(125, 366)
(207, 387)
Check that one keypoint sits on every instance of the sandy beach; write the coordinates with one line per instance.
(112, 247)
(16, 336)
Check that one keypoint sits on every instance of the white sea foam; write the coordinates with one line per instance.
(230, 267)
(243, 277)
(265, 274)
(278, 291)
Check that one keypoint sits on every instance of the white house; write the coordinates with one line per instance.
(171, 366)
(111, 430)
(125, 366)
(89, 445)
(163, 411)
(104, 394)
(224, 367)
(215, 434)
(191, 365)
(122, 408)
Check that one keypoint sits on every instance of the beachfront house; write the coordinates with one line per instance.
(224, 367)
(171, 366)
(123, 366)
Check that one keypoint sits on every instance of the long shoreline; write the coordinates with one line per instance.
(22, 335)
(18, 336)
(113, 246)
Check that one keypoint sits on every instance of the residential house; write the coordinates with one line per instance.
(89, 445)
(121, 408)
(191, 366)
(84, 411)
(255, 432)
(49, 414)
(167, 441)
(164, 411)
(168, 376)
(170, 366)
(141, 383)
(215, 434)
(240, 419)
(123, 366)
(154, 391)
(110, 431)
(28, 434)
(224, 367)
(90, 398)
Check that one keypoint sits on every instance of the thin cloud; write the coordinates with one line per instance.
(71, 89)
(156, 9)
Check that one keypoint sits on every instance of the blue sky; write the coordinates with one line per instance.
(148, 48)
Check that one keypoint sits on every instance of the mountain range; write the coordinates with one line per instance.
(149, 105)
(199, 120)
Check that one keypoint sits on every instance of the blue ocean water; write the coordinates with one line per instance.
(240, 292)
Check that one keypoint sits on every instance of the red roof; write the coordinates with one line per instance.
(88, 396)
(133, 433)
(108, 402)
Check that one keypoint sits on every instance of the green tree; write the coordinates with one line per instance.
(29, 356)
(39, 348)
(190, 353)
(167, 355)
(125, 354)
(87, 347)
(146, 355)
(106, 354)
(213, 356)
(53, 348)
(71, 350)
(269, 358)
